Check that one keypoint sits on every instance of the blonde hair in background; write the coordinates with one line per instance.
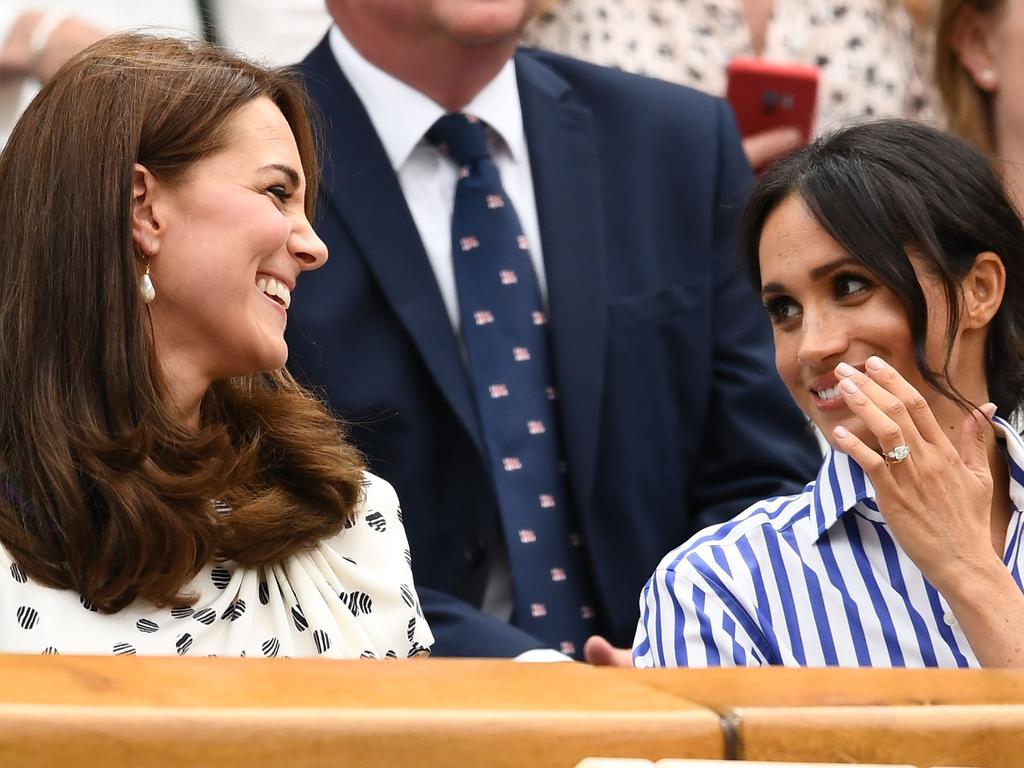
(968, 107)
(921, 11)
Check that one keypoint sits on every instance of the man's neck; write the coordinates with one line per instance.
(447, 72)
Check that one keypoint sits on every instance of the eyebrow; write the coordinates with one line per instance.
(815, 274)
(287, 170)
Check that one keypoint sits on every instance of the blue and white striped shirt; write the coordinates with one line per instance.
(814, 579)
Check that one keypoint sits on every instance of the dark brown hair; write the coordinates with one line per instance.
(103, 491)
(968, 108)
(884, 188)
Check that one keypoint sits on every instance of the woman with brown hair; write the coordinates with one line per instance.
(167, 486)
(979, 70)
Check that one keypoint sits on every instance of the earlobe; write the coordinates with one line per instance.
(983, 290)
(970, 41)
(146, 229)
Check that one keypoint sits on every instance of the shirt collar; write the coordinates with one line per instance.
(842, 484)
(385, 97)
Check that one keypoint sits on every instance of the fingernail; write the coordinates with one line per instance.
(989, 409)
(845, 369)
(875, 363)
(841, 432)
(848, 386)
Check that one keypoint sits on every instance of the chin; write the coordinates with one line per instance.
(492, 23)
(272, 359)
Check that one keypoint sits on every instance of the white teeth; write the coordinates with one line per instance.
(274, 287)
(828, 394)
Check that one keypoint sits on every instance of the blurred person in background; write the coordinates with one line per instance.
(277, 34)
(979, 69)
(36, 38)
(872, 55)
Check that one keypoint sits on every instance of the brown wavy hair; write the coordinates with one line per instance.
(103, 491)
(968, 107)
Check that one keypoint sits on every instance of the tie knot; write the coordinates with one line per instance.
(461, 136)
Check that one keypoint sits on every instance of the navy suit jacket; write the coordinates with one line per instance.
(672, 415)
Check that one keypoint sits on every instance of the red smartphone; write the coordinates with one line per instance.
(771, 94)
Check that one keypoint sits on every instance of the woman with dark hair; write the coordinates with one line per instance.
(167, 486)
(891, 265)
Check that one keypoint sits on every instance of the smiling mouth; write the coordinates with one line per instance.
(275, 290)
(827, 395)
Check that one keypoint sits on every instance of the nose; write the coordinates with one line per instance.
(306, 247)
(822, 337)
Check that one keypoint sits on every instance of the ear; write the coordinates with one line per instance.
(971, 40)
(983, 290)
(146, 228)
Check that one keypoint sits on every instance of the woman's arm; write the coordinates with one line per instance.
(39, 42)
(989, 606)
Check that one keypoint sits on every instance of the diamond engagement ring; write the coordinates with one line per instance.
(896, 455)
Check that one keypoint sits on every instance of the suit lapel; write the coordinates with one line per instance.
(567, 186)
(361, 186)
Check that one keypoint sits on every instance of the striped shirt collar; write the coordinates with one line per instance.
(842, 485)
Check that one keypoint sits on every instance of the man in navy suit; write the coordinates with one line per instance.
(628, 190)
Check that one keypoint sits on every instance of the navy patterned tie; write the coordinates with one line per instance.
(505, 335)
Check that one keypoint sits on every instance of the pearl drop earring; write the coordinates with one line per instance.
(988, 78)
(146, 287)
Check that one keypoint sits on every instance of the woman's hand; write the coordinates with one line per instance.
(601, 653)
(762, 149)
(937, 502)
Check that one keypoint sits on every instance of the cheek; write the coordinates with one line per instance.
(267, 231)
(786, 363)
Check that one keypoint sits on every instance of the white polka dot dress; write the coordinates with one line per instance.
(351, 596)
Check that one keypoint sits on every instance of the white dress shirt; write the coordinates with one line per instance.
(402, 116)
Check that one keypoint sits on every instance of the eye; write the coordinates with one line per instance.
(280, 192)
(781, 309)
(847, 285)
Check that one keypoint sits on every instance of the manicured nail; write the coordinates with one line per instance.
(875, 363)
(845, 369)
(989, 409)
(847, 385)
(840, 432)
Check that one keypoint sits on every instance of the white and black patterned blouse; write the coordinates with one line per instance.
(350, 596)
(872, 58)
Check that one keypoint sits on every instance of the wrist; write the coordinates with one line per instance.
(968, 581)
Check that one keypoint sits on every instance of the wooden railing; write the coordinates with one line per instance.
(918, 717)
(247, 713)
